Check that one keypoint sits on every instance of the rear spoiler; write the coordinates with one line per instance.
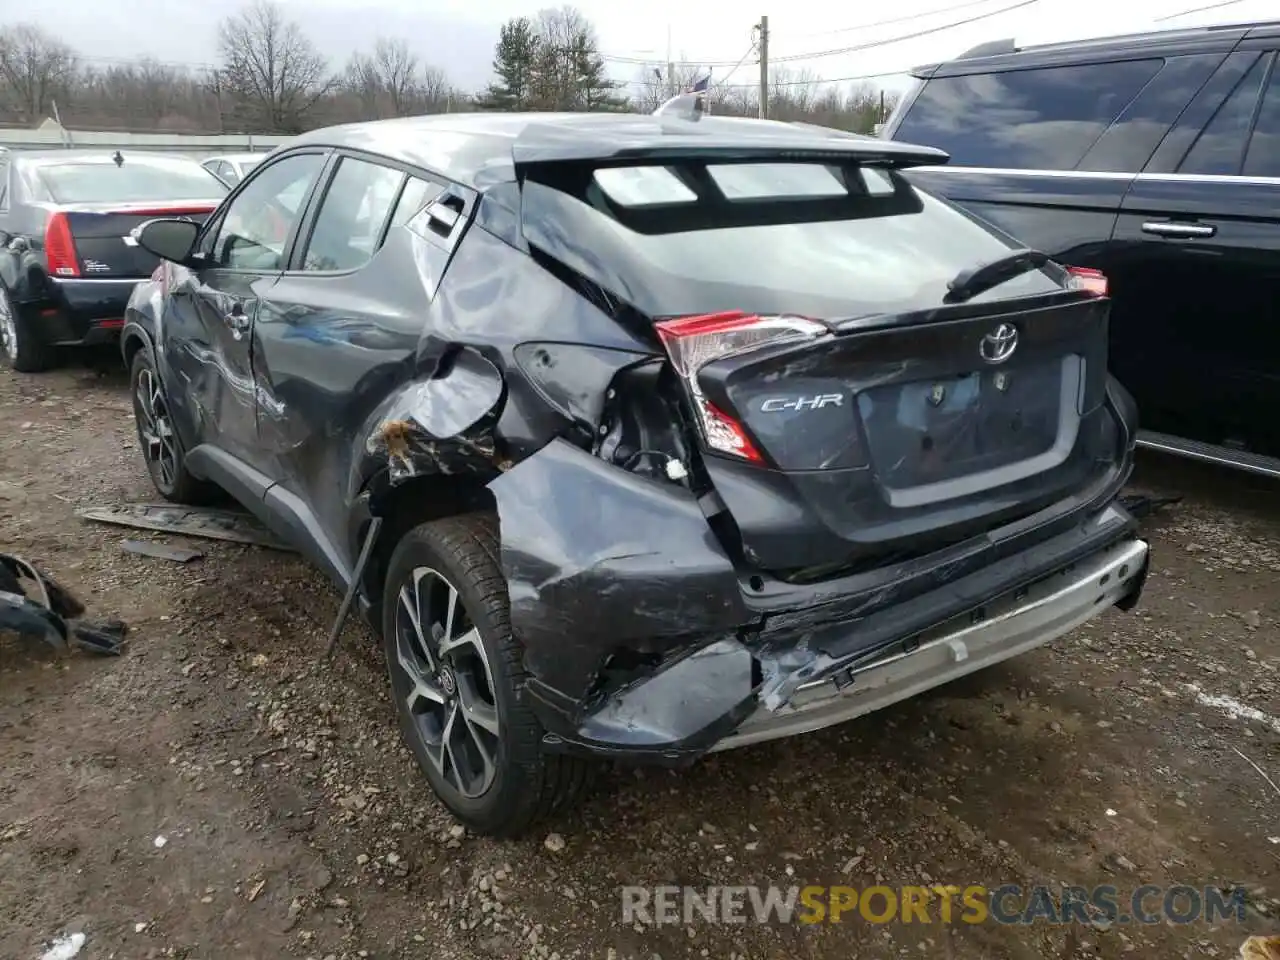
(673, 140)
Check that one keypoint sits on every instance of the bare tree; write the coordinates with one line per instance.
(387, 77)
(361, 80)
(398, 70)
(435, 92)
(653, 87)
(271, 71)
(35, 68)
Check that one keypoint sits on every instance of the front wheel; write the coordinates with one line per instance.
(457, 679)
(161, 448)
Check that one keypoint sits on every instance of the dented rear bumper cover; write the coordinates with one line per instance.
(643, 642)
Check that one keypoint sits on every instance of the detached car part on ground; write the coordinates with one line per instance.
(35, 606)
(67, 261)
(640, 437)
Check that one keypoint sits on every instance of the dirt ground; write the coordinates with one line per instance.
(295, 825)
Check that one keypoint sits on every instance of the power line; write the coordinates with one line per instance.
(1212, 6)
(791, 58)
(750, 50)
(884, 23)
(906, 36)
(814, 81)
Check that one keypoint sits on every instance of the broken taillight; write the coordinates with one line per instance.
(693, 342)
(59, 248)
(1089, 280)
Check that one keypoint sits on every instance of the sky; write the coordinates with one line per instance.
(458, 35)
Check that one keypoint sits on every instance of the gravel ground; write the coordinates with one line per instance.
(295, 825)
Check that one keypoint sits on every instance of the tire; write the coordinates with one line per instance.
(161, 448)
(526, 784)
(20, 344)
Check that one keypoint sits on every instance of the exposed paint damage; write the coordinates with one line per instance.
(634, 622)
(441, 425)
(599, 560)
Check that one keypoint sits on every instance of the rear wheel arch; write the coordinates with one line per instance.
(133, 339)
(411, 503)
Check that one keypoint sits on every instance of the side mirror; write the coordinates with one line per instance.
(171, 240)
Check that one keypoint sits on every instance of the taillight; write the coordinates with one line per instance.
(1089, 280)
(693, 342)
(59, 248)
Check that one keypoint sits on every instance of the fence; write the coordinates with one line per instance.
(51, 136)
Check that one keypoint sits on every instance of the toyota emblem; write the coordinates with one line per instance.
(998, 345)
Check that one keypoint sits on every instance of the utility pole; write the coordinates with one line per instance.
(764, 68)
(671, 67)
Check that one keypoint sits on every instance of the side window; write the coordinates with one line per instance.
(1263, 158)
(4, 184)
(228, 172)
(257, 225)
(1045, 118)
(416, 195)
(1129, 142)
(352, 215)
(1219, 150)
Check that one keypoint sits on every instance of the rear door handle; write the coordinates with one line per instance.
(1169, 228)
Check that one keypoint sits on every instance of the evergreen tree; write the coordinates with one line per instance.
(515, 62)
(595, 90)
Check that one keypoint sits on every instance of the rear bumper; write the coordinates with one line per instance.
(1011, 626)
(641, 643)
(84, 311)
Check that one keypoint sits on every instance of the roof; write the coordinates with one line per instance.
(482, 149)
(1006, 54)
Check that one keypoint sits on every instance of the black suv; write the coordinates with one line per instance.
(1156, 159)
(640, 437)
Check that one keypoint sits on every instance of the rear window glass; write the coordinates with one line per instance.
(130, 182)
(758, 181)
(656, 186)
(1045, 119)
(891, 253)
(642, 186)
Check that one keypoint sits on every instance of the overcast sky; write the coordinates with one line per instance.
(458, 35)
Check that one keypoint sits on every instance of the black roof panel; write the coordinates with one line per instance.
(1006, 55)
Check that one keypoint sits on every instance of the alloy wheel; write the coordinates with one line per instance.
(447, 683)
(155, 429)
(8, 328)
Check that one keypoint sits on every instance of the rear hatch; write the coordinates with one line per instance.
(861, 393)
(101, 246)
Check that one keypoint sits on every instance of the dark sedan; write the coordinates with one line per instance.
(67, 261)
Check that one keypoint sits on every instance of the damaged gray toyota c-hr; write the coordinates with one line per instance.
(640, 437)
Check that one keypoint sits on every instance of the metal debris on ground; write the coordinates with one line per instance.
(52, 614)
(160, 551)
(203, 522)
